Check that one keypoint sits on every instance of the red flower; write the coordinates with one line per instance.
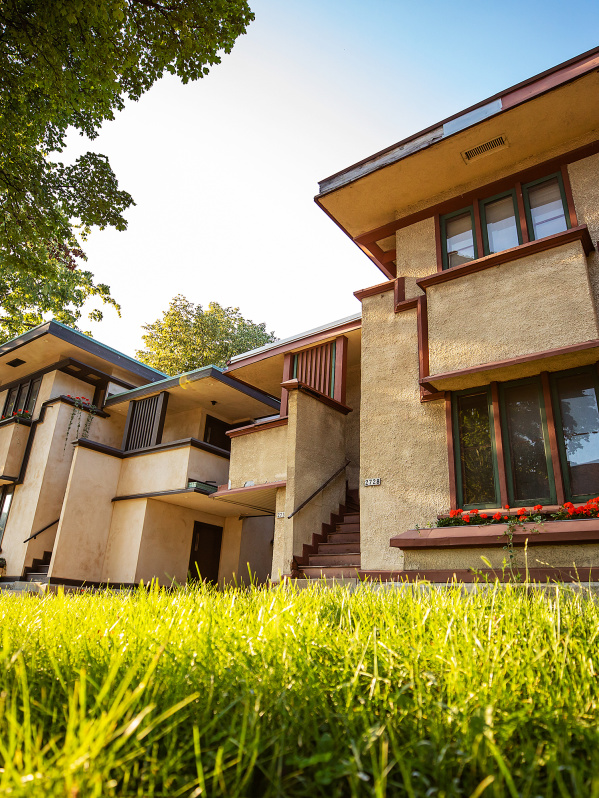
(453, 513)
(571, 511)
(506, 517)
(484, 515)
(474, 512)
(521, 511)
(538, 507)
(466, 518)
(567, 505)
(458, 511)
(497, 516)
(506, 507)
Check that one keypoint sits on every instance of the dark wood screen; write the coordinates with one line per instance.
(316, 367)
(145, 421)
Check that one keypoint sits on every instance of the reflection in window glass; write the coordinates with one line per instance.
(580, 425)
(476, 455)
(11, 399)
(6, 499)
(528, 458)
(502, 232)
(546, 209)
(460, 240)
(30, 406)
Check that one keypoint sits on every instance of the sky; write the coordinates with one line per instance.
(224, 171)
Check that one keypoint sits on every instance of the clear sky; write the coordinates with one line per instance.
(224, 171)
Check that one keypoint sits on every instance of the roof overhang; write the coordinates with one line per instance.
(256, 499)
(53, 342)
(208, 388)
(429, 168)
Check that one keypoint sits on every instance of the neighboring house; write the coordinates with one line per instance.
(468, 381)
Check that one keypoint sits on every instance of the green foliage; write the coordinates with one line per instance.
(270, 693)
(188, 337)
(27, 298)
(72, 64)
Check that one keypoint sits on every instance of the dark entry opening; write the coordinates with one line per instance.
(205, 552)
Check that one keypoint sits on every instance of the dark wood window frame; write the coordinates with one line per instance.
(519, 192)
(22, 393)
(555, 450)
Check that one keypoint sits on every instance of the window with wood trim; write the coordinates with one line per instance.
(145, 422)
(21, 399)
(524, 213)
(533, 471)
(6, 496)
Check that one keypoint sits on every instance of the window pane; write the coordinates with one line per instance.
(5, 507)
(580, 424)
(546, 209)
(30, 406)
(476, 454)
(10, 402)
(460, 242)
(526, 443)
(502, 231)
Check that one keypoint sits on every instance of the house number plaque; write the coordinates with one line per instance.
(369, 483)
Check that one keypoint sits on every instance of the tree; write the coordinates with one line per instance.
(188, 337)
(26, 298)
(72, 64)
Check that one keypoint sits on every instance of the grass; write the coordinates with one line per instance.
(309, 693)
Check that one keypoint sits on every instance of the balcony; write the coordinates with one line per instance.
(14, 434)
(521, 304)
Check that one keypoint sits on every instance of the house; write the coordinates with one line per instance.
(468, 382)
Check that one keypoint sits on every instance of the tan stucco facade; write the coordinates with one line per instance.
(259, 457)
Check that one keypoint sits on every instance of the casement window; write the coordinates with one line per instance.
(6, 495)
(510, 433)
(497, 224)
(21, 399)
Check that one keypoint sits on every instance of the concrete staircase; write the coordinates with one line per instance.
(335, 552)
(38, 571)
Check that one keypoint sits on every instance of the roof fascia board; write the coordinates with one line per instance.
(498, 103)
(295, 341)
(84, 342)
(194, 376)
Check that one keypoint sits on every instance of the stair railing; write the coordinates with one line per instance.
(33, 537)
(321, 488)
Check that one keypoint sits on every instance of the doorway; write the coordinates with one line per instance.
(205, 552)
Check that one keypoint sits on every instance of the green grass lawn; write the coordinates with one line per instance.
(309, 693)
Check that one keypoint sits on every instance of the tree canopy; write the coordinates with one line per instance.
(72, 64)
(188, 337)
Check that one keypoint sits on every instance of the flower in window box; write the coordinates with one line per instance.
(521, 511)
(484, 516)
(466, 519)
(497, 516)
(538, 507)
(568, 505)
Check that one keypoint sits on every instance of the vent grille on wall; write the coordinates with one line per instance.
(484, 149)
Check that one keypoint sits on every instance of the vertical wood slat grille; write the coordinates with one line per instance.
(142, 423)
(315, 367)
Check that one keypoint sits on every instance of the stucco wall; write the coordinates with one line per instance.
(315, 450)
(583, 555)
(82, 534)
(402, 440)
(584, 179)
(13, 439)
(159, 470)
(229, 571)
(188, 424)
(260, 457)
(205, 466)
(256, 549)
(416, 254)
(123, 542)
(352, 425)
(530, 305)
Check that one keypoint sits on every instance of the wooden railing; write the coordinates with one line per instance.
(322, 368)
(145, 421)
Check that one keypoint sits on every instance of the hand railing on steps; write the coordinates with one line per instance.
(321, 488)
(33, 537)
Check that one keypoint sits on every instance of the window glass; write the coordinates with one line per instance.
(501, 228)
(459, 239)
(5, 502)
(11, 399)
(31, 399)
(476, 453)
(580, 426)
(528, 458)
(546, 209)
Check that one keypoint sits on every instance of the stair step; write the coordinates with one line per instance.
(335, 547)
(351, 518)
(345, 527)
(343, 537)
(327, 560)
(335, 572)
(37, 577)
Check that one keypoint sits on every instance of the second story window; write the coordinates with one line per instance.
(498, 225)
(21, 399)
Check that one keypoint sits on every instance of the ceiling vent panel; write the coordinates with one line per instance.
(487, 148)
